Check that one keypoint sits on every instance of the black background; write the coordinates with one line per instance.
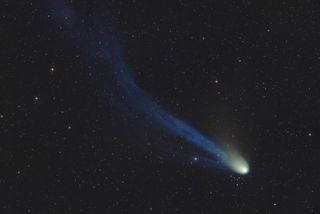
(65, 150)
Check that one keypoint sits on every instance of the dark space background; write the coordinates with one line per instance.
(246, 72)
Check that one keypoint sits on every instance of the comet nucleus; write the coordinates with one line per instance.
(237, 163)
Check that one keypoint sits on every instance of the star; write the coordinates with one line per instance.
(52, 70)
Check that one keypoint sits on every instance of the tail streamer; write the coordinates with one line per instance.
(97, 41)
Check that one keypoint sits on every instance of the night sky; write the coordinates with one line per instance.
(97, 98)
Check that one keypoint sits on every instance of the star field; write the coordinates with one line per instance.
(243, 73)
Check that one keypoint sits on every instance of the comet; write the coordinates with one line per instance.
(98, 43)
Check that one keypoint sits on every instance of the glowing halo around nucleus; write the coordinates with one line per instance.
(237, 163)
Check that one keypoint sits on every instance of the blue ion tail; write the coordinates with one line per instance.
(98, 43)
(143, 102)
